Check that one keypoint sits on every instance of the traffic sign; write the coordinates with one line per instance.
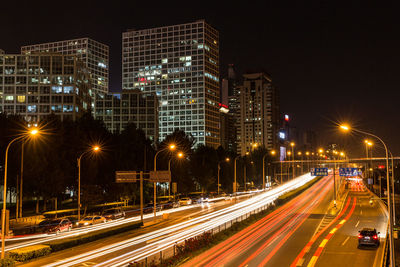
(319, 171)
(350, 171)
(126, 176)
(160, 176)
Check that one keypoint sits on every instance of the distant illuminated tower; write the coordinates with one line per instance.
(94, 55)
(259, 113)
(179, 63)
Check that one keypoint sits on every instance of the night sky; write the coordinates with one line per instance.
(331, 62)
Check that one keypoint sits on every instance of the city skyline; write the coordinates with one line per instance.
(333, 59)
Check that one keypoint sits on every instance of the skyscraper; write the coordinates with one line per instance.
(129, 106)
(35, 86)
(259, 113)
(94, 54)
(179, 63)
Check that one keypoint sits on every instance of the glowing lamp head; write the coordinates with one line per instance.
(227, 159)
(299, 153)
(96, 148)
(289, 153)
(247, 153)
(292, 144)
(344, 127)
(34, 131)
(307, 153)
(273, 152)
(321, 150)
(172, 147)
(180, 155)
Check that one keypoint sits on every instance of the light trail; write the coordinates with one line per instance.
(181, 231)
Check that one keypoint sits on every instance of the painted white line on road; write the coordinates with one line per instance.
(357, 224)
(344, 242)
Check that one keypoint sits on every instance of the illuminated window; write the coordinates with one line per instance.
(21, 99)
(9, 97)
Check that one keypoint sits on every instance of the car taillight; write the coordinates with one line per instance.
(360, 236)
(375, 237)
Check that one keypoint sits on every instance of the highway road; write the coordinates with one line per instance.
(308, 231)
(123, 249)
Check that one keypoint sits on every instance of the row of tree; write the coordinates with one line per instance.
(50, 160)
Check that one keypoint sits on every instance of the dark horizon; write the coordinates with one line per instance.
(331, 62)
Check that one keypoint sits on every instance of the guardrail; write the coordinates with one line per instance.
(162, 255)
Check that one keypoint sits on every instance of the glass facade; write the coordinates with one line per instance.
(180, 64)
(37, 85)
(94, 54)
(130, 106)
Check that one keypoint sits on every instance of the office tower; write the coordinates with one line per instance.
(2, 52)
(34, 86)
(130, 106)
(94, 54)
(259, 113)
(179, 63)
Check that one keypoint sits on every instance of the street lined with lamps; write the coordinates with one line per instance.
(346, 128)
(30, 133)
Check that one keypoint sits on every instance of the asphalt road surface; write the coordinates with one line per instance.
(308, 231)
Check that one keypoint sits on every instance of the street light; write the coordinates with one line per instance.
(301, 158)
(219, 168)
(30, 133)
(347, 128)
(93, 149)
(234, 176)
(292, 144)
(171, 147)
(179, 155)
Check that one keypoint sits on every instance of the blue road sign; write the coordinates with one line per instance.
(350, 172)
(319, 171)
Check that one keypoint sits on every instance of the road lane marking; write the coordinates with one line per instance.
(345, 240)
(333, 230)
(357, 223)
(300, 262)
(319, 250)
(323, 243)
(312, 261)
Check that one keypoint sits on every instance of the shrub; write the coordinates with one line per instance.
(31, 252)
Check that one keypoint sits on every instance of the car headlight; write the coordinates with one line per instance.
(86, 223)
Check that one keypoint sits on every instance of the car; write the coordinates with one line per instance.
(57, 226)
(114, 213)
(368, 236)
(170, 204)
(150, 207)
(185, 201)
(90, 220)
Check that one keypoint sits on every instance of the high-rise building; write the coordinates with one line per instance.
(2, 52)
(259, 113)
(94, 54)
(35, 86)
(179, 63)
(130, 106)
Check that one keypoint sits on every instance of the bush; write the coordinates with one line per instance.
(89, 237)
(7, 262)
(31, 252)
(291, 194)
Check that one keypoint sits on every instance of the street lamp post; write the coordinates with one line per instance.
(234, 176)
(391, 242)
(32, 132)
(95, 149)
(180, 155)
(219, 168)
(170, 147)
(292, 145)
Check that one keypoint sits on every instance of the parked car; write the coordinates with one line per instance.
(90, 220)
(114, 213)
(185, 201)
(56, 226)
(368, 236)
